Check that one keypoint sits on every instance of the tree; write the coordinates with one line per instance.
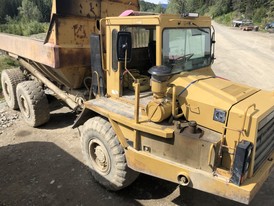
(193, 5)
(147, 6)
(239, 5)
(44, 7)
(8, 8)
(176, 7)
(159, 9)
(29, 11)
(270, 13)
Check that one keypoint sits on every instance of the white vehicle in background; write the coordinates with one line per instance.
(239, 22)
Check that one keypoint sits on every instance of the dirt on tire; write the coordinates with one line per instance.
(33, 103)
(99, 136)
(10, 78)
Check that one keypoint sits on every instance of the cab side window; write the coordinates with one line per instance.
(143, 47)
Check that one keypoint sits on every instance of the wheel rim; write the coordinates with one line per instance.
(24, 106)
(6, 90)
(99, 156)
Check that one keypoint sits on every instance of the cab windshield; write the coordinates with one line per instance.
(186, 49)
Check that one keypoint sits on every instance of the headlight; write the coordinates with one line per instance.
(219, 115)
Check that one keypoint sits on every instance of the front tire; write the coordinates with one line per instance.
(33, 103)
(10, 78)
(105, 156)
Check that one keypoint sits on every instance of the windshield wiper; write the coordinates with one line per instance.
(199, 28)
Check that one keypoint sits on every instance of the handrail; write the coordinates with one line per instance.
(243, 127)
(173, 105)
(137, 101)
(98, 82)
(242, 131)
(102, 48)
(210, 155)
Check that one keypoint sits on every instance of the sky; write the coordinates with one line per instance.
(157, 1)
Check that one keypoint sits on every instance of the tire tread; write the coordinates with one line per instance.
(37, 101)
(13, 78)
(122, 175)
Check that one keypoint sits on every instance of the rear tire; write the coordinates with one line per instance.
(105, 156)
(9, 80)
(33, 103)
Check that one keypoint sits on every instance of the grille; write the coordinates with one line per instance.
(265, 140)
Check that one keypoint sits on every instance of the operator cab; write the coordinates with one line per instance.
(142, 48)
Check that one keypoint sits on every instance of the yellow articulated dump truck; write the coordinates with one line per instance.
(148, 98)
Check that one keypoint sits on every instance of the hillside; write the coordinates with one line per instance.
(21, 16)
(260, 11)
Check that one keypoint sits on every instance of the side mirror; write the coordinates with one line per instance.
(124, 46)
(213, 41)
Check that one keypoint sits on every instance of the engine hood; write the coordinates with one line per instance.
(199, 95)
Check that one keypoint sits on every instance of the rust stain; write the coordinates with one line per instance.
(81, 7)
(74, 57)
(91, 8)
(79, 31)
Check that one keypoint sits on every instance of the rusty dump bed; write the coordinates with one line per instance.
(48, 54)
(64, 55)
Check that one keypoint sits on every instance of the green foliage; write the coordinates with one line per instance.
(147, 6)
(29, 11)
(27, 21)
(193, 6)
(239, 5)
(221, 7)
(260, 11)
(159, 9)
(176, 7)
(7, 62)
(23, 28)
(225, 19)
(150, 7)
(259, 15)
(44, 7)
(270, 13)
(10, 8)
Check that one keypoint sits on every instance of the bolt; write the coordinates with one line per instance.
(192, 127)
(192, 123)
(183, 180)
(178, 125)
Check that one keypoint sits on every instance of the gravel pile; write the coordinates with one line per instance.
(7, 117)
